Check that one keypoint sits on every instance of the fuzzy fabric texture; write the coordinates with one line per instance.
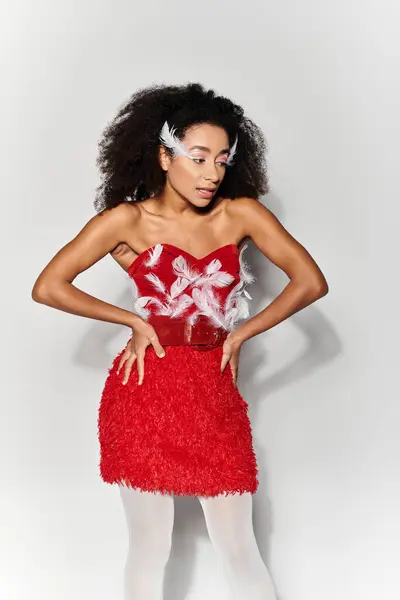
(186, 429)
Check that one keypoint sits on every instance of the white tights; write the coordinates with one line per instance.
(150, 519)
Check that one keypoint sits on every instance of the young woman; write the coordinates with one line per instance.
(183, 170)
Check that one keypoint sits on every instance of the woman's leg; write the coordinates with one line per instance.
(150, 519)
(230, 527)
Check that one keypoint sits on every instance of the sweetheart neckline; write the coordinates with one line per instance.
(181, 250)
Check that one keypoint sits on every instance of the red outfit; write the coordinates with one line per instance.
(186, 429)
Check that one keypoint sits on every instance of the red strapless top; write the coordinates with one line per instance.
(170, 281)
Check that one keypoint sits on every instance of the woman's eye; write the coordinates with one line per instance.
(201, 160)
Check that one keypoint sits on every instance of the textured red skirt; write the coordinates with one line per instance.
(184, 431)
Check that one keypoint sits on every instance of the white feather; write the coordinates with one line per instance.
(142, 301)
(164, 308)
(242, 309)
(172, 142)
(232, 152)
(234, 308)
(232, 296)
(156, 282)
(182, 268)
(182, 303)
(135, 291)
(154, 255)
(192, 319)
(213, 266)
(219, 279)
(209, 306)
(245, 272)
(179, 285)
(139, 305)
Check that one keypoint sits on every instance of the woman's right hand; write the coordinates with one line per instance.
(143, 334)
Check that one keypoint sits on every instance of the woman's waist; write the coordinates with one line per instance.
(202, 335)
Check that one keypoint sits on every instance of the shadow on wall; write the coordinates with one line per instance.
(322, 346)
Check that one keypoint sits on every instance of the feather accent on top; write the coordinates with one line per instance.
(222, 314)
(213, 266)
(135, 291)
(231, 305)
(154, 255)
(139, 307)
(233, 294)
(171, 141)
(174, 308)
(179, 285)
(193, 318)
(156, 281)
(209, 306)
(219, 279)
(182, 268)
(245, 272)
(181, 304)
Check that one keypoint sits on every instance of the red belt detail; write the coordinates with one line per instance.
(178, 332)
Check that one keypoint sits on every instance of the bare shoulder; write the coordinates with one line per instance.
(124, 214)
(246, 207)
(250, 214)
(119, 220)
(275, 242)
(129, 215)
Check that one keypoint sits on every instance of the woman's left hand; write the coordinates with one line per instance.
(230, 354)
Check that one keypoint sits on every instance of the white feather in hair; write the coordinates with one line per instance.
(171, 141)
(232, 152)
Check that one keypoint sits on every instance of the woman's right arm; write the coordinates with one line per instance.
(99, 237)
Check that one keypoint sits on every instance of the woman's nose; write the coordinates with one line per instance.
(211, 174)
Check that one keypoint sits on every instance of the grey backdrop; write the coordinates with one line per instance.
(320, 78)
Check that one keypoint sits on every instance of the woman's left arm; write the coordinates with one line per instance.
(307, 282)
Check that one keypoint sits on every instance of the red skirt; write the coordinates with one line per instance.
(184, 431)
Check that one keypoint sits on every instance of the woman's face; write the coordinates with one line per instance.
(191, 177)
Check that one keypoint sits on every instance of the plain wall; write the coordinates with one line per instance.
(320, 79)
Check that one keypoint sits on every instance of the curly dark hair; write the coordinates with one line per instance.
(129, 146)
